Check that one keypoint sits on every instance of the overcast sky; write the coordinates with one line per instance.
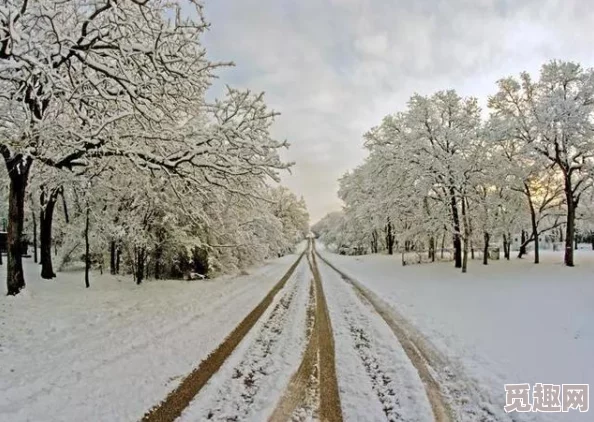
(334, 68)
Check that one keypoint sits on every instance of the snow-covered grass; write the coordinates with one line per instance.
(110, 352)
(508, 322)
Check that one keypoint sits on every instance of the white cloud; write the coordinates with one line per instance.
(334, 68)
(372, 45)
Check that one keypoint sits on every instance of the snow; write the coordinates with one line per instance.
(376, 379)
(112, 351)
(509, 322)
(251, 381)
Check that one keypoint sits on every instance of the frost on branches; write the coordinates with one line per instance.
(440, 178)
(103, 113)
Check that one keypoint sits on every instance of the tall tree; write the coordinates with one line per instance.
(553, 116)
(84, 82)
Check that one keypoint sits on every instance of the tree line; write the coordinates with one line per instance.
(440, 174)
(114, 155)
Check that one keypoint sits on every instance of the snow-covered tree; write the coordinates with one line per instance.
(553, 117)
(293, 215)
(434, 144)
(435, 168)
(83, 81)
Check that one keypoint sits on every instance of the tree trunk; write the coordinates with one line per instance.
(487, 237)
(65, 206)
(139, 265)
(112, 257)
(456, 220)
(18, 171)
(466, 237)
(470, 232)
(443, 243)
(158, 257)
(374, 241)
(117, 261)
(522, 251)
(147, 262)
(536, 249)
(46, 217)
(35, 259)
(389, 238)
(87, 249)
(570, 227)
(432, 248)
(534, 225)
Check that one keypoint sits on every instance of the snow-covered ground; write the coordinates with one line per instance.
(509, 322)
(250, 383)
(110, 352)
(376, 379)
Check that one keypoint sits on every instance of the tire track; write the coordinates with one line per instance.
(313, 392)
(454, 388)
(299, 401)
(377, 380)
(381, 383)
(178, 399)
(235, 398)
(330, 409)
(440, 407)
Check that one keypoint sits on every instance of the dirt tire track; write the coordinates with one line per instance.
(318, 362)
(178, 399)
(256, 361)
(296, 393)
(330, 408)
(454, 387)
(441, 409)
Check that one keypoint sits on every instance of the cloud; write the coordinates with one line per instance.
(334, 68)
(374, 46)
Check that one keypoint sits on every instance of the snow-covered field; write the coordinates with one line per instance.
(110, 352)
(509, 322)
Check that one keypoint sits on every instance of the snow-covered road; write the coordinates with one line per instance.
(418, 343)
(377, 380)
(251, 381)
